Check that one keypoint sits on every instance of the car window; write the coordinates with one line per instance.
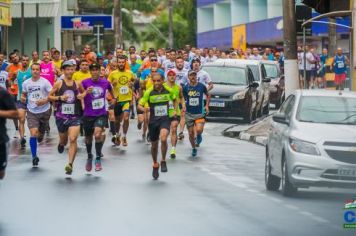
(287, 106)
(271, 71)
(227, 75)
(256, 72)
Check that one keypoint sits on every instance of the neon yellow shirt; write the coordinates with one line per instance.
(79, 76)
(122, 82)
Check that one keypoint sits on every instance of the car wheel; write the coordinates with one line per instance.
(287, 187)
(272, 182)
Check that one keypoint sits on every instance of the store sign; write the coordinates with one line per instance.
(78, 23)
(5, 13)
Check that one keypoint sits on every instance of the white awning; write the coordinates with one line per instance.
(47, 8)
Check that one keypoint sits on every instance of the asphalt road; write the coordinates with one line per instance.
(221, 192)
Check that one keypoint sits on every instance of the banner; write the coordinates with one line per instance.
(239, 37)
(86, 22)
(5, 13)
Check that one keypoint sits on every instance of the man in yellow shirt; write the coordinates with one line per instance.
(56, 59)
(83, 72)
(122, 81)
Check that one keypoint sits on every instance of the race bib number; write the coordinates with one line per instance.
(171, 105)
(340, 64)
(193, 102)
(98, 103)
(35, 96)
(68, 109)
(161, 111)
(124, 90)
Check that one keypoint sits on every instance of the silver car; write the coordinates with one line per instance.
(312, 142)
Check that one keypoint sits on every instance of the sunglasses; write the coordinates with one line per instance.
(153, 60)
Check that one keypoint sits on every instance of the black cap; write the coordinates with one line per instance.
(94, 65)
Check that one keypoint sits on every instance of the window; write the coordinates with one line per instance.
(227, 75)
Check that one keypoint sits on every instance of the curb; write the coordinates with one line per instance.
(261, 140)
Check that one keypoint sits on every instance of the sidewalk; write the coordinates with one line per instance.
(256, 133)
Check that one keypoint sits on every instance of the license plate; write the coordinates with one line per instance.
(217, 104)
(347, 172)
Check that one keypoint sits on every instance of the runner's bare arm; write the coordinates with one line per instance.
(51, 95)
(82, 91)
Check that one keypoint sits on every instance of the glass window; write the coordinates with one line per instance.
(288, 105)
(271, 71)
(227, 75)
(332, 110)
(256, 72)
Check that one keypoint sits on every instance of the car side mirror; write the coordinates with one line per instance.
(266, 80)
(280, 118)
(254, 85)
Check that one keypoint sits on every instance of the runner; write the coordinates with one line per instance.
(64, 93)
(3, 64)
(22, 76)
(195, 115)
(158, 99)
(122, 82)
(175, 120)
(340, 69)
(170, 63)
(93, 91)
(35, 94)
(83, 72)
(48, 69)
(7, 111)
(4, 75)
(134, 67)
(89, 56)
(35, 58)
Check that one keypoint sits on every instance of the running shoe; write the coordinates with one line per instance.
(199, 139)
(143, 137)
(23, 142)
(118, 140)
(124, 141)
(98, 166)
(164, 166)
(35, 161)
(68, 169)
(181, 136)
(60, 148)
(194, 152)
(155, 171)
(89, 164)
(173, 153)
(139, 125)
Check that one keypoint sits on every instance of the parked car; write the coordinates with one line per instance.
(260, 76)
(312, 142)
(277, 88)
(235, 90)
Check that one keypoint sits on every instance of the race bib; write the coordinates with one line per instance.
(35, 96)
(340, 64)
(68, 109)
(193, 102)
(161, 111)
(98, 103)
(171, 105)
(124, 90)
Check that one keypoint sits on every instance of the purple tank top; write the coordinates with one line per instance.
(69, 109)
(95, 102)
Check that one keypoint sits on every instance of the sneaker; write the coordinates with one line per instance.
(139, 125)
(181, 136)
(143, 137)
(124, 141)
(68, 169)
(155, 171)
(23, 142)
(60, 148)
(118, 140)
(98, 166)
(35, 161)
(194, 152)
(164, 166)
(199, 139)
(89, 164)
(173, 153)
(113, 139)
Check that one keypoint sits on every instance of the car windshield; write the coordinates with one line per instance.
(271, 71)
(330, 110)
(255, 72)
(227, 75)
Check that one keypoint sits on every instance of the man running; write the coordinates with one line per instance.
(64, 93)
(193, 93)
(35, 93)
(83, 72)
(177, 90)
(7, 111)
(340, 69)
(22, 76)
(48, 69)
(93, 91)
(122, 81)
(158, 99)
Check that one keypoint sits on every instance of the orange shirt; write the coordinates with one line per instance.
(90, 57)
(12, 70)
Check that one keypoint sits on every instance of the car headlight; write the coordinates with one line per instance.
(239, 96)
(304, 147)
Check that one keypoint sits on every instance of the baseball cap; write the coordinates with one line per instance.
(191, 72)
(94, 65)
(171, 72)
(66, 64)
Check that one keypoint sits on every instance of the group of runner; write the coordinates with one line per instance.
(90, 95)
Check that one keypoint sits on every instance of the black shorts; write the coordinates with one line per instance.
(63, 125)
(121, 107)
(3, 156)
(175, 118)
(89, 123)
(154, 128)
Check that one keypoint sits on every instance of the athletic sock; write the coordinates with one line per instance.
(98, 149)
(33, 145)
(89, 146)
(112, 127)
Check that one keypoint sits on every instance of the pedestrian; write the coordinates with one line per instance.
(340, 69)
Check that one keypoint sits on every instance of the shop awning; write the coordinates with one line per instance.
(47, 8)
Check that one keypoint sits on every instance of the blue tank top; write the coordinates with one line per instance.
(339, 65)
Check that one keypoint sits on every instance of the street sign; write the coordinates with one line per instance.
(85, 22)
(303, 13)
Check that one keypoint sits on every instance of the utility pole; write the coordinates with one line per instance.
(290, 47)
(170, 15)
(117, 23)
(332, 37)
